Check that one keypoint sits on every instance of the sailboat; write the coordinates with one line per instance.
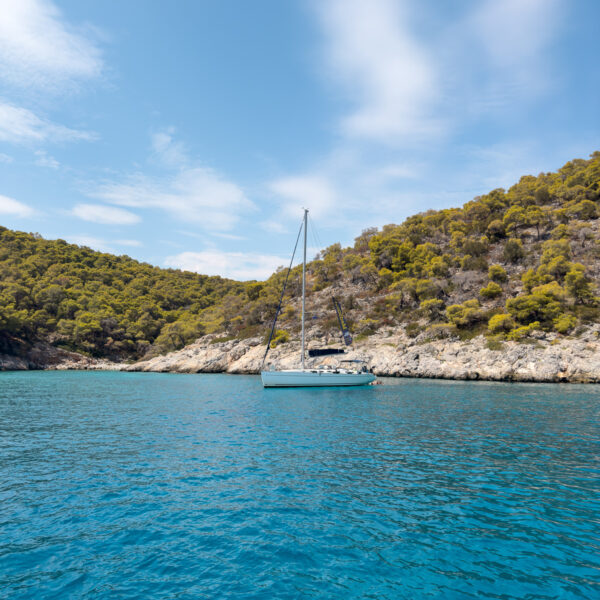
(318, 376)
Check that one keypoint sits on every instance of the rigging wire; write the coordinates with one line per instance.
(319, 244)
(315, 234)
(281, 297)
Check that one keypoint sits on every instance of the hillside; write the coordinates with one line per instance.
(506, 264)
(97, 303)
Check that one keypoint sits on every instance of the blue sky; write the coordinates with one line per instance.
(189, 134)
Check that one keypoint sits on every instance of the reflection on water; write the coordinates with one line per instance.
(117, 485)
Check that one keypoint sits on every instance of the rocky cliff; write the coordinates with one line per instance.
(547, 358)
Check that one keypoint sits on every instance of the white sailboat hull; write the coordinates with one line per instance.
(314, 378)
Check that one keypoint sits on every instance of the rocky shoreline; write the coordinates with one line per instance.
(43, 356)
(546, 358)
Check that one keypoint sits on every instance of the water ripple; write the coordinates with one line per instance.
(118, 485)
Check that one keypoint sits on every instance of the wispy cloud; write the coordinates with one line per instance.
(21, 126)
(406, 85)
(189, 193)
(91, 242)
(10, 206)
(130, 243)
(502, 55)
(273, 226)
(106, 215)
(40, 50)
(102, 245)
(45, 160)
(382, 67)
(305, 191)
(167, 151)
(198, 194)
(417, 79)
(235, 265)
(5, 158)
(41, 56)
(515, 33)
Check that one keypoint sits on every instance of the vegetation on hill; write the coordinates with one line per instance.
(506, 264)
(97, 303)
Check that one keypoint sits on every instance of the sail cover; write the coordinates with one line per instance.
(345, 333)
(325, 351)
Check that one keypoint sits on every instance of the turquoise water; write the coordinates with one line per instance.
(135, 485)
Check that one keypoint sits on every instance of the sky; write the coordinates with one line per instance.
(190, 134)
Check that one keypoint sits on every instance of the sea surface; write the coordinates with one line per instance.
(142, 485)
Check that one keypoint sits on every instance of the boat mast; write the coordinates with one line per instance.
(304, 285)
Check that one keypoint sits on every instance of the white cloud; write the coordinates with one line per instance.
(38, 49)
(505, 50)
(40, 55)
(91, 242)
(515, 31)
(107, 215)
(314, 192)
(100, 244)
(273, 226)
(131, 243)
(19, 125)
(5, 158)
(195, 194)
(385, 71)
(10, 206)
(167, 150)
(45, 160)
(405, 78)
(191, 193)
(398, 171)
(235, 265)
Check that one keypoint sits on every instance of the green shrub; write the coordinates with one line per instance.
(492, 290)
(220, 340)
(465, 314)
(559, 232)
(564, 323)
(543, 305)
(522, 332)
(280, 337)
(253, 290)
(556, 267)
(438, 267)
(473, 263)
(496, 230)
(585, 209)
(425, 289)
(530, 279)
(475, 247)
(432, 308)
(553, 248)
(497, 274)
(501, 323)
(513, 250)
(386, 278)
(579, 285)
